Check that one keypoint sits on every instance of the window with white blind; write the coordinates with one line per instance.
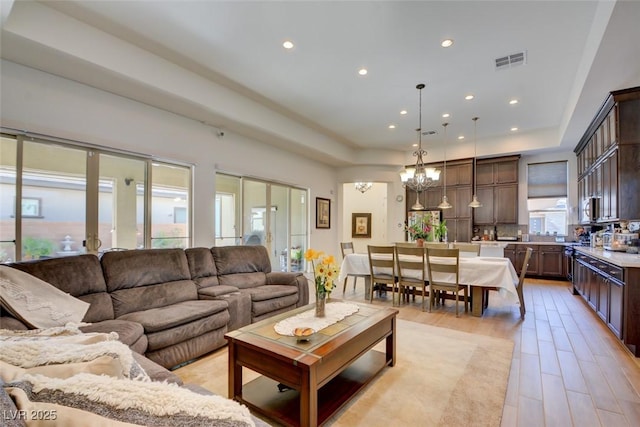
(547, 198)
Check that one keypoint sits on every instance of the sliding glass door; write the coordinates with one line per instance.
(272, 215)
(62, 199)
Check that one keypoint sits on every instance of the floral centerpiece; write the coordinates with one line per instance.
(325, 274)
(419, 231)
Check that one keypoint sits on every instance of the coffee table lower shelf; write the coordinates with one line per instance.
(261, 395)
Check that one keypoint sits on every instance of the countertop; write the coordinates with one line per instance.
(621, 259)
(504, 243)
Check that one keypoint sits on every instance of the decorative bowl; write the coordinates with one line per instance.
(303, 333)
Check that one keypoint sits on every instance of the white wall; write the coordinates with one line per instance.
(42, 103)
(374, 201)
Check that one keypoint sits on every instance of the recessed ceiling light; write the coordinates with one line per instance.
(513, 129)
(403, 112)
(468, 97)
(288, 44)
(513, 101)
(392, 126)
(461, 137)
(445, 115)
(414, 145)
(446, 43)
(362, 71)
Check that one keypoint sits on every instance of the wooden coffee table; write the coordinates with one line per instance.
(322, 374)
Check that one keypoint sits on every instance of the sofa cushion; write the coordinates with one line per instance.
(241, 259)
(202, 267)
(128, 332)
(263, 293)
(186, 331)
(142, 267)
(152, 296)
(243, 280)
(158, 319)
(80, 276)
(263, 304)
(36, 302)
(184, 351)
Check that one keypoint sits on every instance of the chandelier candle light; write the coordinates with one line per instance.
(418, 178)
(445, 202)
(475, 203)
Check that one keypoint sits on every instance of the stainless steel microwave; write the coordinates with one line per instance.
(590, 210)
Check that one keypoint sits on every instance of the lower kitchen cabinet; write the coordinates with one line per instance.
(551, 259)
(606, 288)
(546, 260)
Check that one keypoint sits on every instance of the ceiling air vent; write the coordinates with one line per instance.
(512, 60)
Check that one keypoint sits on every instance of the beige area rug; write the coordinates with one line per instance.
(442, 377)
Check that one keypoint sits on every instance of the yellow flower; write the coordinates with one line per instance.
(325, 273)
(311, 255)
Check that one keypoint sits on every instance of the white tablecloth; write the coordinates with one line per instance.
(476, 271)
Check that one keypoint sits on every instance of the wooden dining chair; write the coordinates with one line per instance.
(519, 286)
(411, 270)
(436, 245)
(347, 248)
(470, 249)
(440, 262)
(382, 257)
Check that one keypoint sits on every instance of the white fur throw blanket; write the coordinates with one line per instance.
(53, 351)
(125, 400)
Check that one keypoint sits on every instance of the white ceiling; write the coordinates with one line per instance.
(311, 99)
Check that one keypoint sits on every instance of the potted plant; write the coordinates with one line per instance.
(419, 231)
(441, 231)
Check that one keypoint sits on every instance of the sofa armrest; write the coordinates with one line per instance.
(291, 279)
(282, 278)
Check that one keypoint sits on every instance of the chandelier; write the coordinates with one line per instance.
(363, 187)
(418, 178)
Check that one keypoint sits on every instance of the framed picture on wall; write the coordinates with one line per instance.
(361, 225)
(323, 213)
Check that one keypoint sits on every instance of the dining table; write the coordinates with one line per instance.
(478, 272)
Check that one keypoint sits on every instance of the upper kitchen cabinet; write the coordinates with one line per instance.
(500, 170)
(608, 158)
(497, 190)
(459, 180)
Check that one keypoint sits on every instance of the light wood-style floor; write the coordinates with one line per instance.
(568, 369)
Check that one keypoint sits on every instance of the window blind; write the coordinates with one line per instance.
(547, 179)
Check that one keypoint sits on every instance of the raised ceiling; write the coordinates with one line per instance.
(223, 63)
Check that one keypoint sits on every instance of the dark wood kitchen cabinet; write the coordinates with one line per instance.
(551, 259)
(607, 159)
(609, 289)
(459, 192)
(497, 190)
(533, 269)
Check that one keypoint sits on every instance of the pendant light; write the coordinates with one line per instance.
(445, 202)
(475, 203)
(419, 177)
